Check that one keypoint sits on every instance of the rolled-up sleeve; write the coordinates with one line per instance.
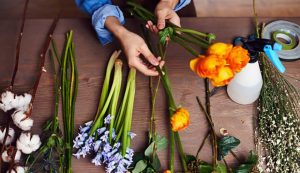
(100, 10)
(181, 4)
(98, 21)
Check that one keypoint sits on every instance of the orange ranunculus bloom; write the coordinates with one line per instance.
(167, 171)
(207, 66)
(225, 74)
(220, 49)
(180, 119)
(238, 58)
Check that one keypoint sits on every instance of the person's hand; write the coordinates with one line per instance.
(164, 11)
(134, 47)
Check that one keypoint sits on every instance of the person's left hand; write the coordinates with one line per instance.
(164, 11)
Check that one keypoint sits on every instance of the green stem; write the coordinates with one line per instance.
(192, 40)
(104, 92)
(181, 152)
(129, 111)
(184, 44)
(115, 98)
(137, 7)
(99, 121)
(190, 31)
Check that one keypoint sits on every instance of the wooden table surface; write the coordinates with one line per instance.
(92, 59)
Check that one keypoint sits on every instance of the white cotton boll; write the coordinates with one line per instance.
(10, 137)
(6, 101)
(23, 102)
(22, 121)
(7, 156)
(27, 98)
(17, 169)
(28, 143)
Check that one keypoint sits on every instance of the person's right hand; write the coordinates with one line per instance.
(164, 12)
(134, 47)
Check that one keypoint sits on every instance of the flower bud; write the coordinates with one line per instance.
(180, 119)
(22, 120)
(28, 143)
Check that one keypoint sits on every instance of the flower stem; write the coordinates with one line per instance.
(115, 97)
(202, 144)
(128, 117)
(104, 92)
(190, 31)
(212, 131)
(18, 47)
(69, 82)
(172, 108)
(43, 56)
(184, 44)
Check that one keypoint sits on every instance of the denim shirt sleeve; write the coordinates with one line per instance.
(90, 6)
(100, 10)
(181, 4)
(98, 21)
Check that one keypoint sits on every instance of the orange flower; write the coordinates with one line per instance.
(238, 58)
(220, 49)
(207, 66)
(225, 74)
(167, 171)
(180, 119)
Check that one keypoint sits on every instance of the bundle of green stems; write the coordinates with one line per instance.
(69, 87)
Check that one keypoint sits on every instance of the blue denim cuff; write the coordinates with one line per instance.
(98, 21)
(90, 6)
(181, 4)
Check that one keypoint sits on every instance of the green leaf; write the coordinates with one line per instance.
(226, 144)
(155, 163)
(47, 125)
(137, 157)
(220, 168)
(161, 143)
(140, 166)
(252, 158)
(189, 158)
(243, 168)
(248, 166)
(150, 170)
(165, 33)
(204, 167)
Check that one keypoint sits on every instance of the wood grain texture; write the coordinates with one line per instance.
(238, 8)
(92, 59)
